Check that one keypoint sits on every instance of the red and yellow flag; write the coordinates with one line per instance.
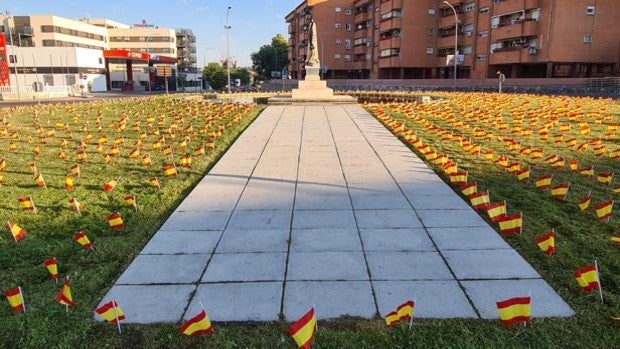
(186, 161)
(587, 171)
(154, 182)
(16, 299)
(523, 174)
(52, 267)
(543, 182)
(615, 239)
(39, 181)
(199, 324)
(83, 240)
(402, 312)
(130, 199)
(560, 191)
(603, 210)
(514, 310)
(2, 165)
(587, 277)
(573, 165)
(469, 189)
(605, 177)
(111, 312)
(69, 182)
(146, 160)
(496, 210)
(512, 224)
(480, 200)
(27, 204)
(64, 296)
(170, 170)
(585, 202)
(546, 242)
(115, 221)
(76, 205)
(458, 178)
(304, 329)
(16, 231)
(110, 185)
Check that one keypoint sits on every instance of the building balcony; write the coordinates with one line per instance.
(392, 23)
(361, 49)
(391, 5)
(520, 29)
(448, 41)
(393, 42)
(362, 17)
(364, 33)
(446, 22)
(359, 65)
(509, 55)
(389, 62)
(507, 6)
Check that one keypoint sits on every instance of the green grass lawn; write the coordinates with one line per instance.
(580, 237)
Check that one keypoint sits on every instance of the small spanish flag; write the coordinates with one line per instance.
(402, 312)
(146, 160)
(560, 191)
(511, 224)
(587, 171)
(130, 199)
(52, 267)
(111, 312)
(573, 165)
(514, 310)
(64, 296)
(2, 165)
(480, 200)
(523, 174)
(469, 189)
(170, 170)
(615, 239)
(27, 204)
(587, 277)
(543, 182)
(197, 325)
(585, 202)
(546, 242)
(115, 221)
(186, 161)
(605, 177)
(304, 329)
(496, 210)
(83, 240)
(16, 299)
(154, 182)
(458, 178)
(39, 181)
(69, 182)
(199, 151)
(134, 153)
(110, 185)
(76, 205)
(603, 211)
(17, 231)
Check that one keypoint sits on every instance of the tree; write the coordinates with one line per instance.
(242, 74)
(272, 57)
(216, 75)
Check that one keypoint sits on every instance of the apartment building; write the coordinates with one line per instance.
(404, 39)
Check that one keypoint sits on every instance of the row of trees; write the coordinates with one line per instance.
(271, 57)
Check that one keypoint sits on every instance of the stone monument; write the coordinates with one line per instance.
(312, 89)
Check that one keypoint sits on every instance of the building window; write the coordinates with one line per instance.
(337, 9)
(100, 60)
(467, 50)
(430, 31)
(430, 50)
(468, 29)
(337, 25)
(587, 39)
(590, 10)
(349, 26)
(391, 14)
(485, 9)
(347, 58)
(431, 11)
(336, 55)
(337, 41)
(70, 79)
(470, 7)
(347, 44)
(483, 33)
(348, 12)
(389, 52)
(48, 79)
(481, 57)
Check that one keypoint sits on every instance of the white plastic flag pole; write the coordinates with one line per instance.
(415, 302)
(118, 323)
(598, 278)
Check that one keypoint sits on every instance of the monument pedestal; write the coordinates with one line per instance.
(312, 90)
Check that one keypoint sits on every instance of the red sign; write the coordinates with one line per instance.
(4, 63)
(126, 54)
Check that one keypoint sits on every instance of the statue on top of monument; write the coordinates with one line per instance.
(313, 56)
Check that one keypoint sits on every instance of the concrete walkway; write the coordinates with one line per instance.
(322, 205)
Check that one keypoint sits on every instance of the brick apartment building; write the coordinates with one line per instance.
(415, 39)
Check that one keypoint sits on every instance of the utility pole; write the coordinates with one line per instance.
(456, 40)
(228, 27)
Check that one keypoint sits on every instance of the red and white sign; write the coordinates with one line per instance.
(126, 54)
(4, 63)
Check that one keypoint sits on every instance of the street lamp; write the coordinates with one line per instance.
(456, 39)
(228, 27)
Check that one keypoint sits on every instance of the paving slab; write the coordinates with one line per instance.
(397, 240)
(467, 238)
(407, 266)
(434, 299)
(332, 299)
(383, 219)
(164, 269)
(489, 264)
(237, 301)
(323, 219)
(142, 304)
(254, 240)
(325, 239)
(268, 219)
(209, 220)
(182, 242)
(330, 265)
(545, 301)
(266, 266)
(451, 218)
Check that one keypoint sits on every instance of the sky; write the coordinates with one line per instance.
(253, 22)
